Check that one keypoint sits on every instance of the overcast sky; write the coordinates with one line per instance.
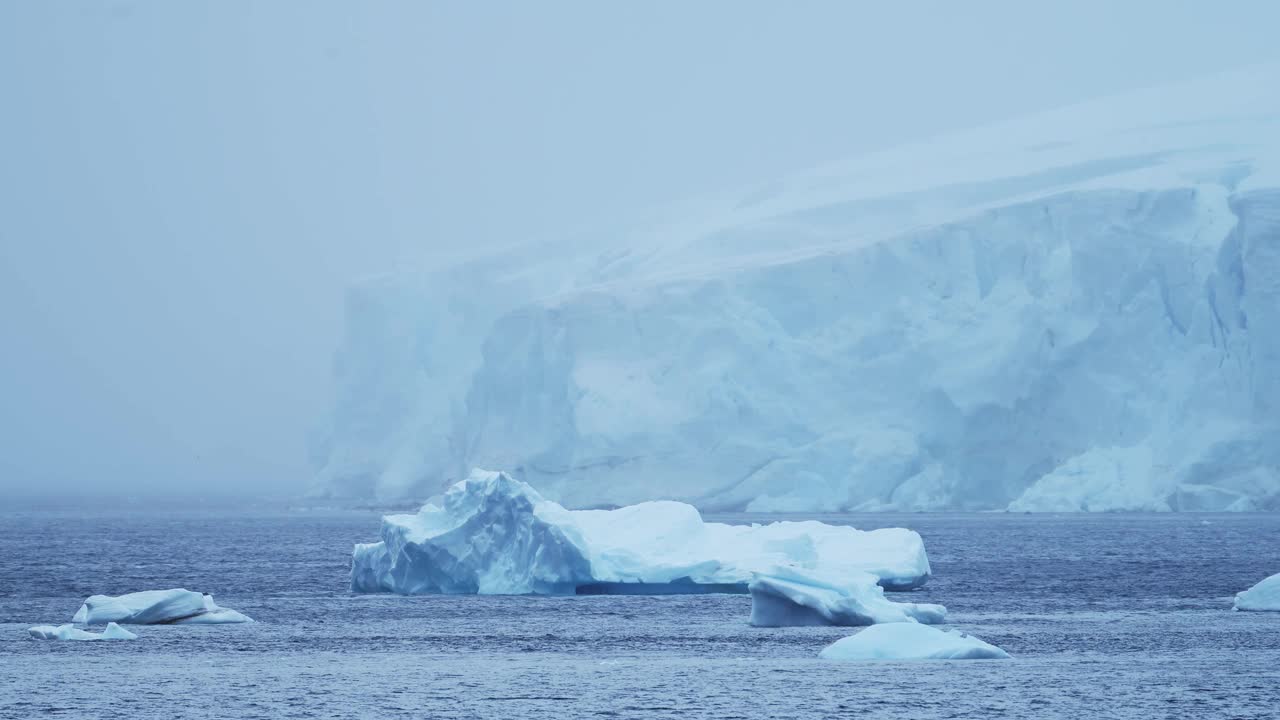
(187, 187)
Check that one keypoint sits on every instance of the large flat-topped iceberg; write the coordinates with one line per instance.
(910, 641)
(784, 597)
(1076, 310)
(493, 534)
(1263, 596)
(156, 607)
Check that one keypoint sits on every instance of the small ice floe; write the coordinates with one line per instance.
(215, 615)
(1263, 596)
(156, 607)
(910, 641)
(786, 596)
(71, 632)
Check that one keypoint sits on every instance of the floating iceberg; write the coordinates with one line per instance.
(784, 597)
(1263, 596)
(493, 534)
(141, 608)
(71, 632)
(156, 607)
(910, 641)
(1076, 310)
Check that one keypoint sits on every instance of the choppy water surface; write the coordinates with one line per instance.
(1123, 616)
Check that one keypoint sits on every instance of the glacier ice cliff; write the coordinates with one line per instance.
(495, 535)
(1078, 310)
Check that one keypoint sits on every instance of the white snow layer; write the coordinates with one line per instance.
(71, 632)
(1078, 310)
(493, 534)
(910, 641)
(784, 597)
(155, 607)
(1263, 596)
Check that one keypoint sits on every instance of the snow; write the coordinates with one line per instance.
(910, 641)
(493, 534)
(1077, 310)
(1263, 596)
(71, 632)
(785, 597)
(154, 607)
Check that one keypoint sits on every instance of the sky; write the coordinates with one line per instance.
(187, 188)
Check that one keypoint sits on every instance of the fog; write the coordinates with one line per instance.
(186, 187)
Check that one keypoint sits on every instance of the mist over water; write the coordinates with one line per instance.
(188, 187)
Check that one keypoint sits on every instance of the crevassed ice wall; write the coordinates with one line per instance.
(1087, 350)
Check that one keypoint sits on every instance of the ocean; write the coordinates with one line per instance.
(1106, 616)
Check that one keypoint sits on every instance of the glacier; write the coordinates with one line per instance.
(493, 534)
(1263, 596)
(784, 597)
(71, 632)
(1074, 311)
(910, 641)
(156, 607)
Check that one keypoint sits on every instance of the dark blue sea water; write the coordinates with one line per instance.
(1108, 616)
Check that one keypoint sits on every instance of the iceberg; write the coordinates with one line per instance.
(910, 641)
(784, 597)
(71, 632)
(1077, 310)
(493, 534)
(1263, 596)
(156, 607)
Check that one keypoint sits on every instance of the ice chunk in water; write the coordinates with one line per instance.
(71, 632)
(910, 641)
(786, 597)
(1263, 596)
(155, 607)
